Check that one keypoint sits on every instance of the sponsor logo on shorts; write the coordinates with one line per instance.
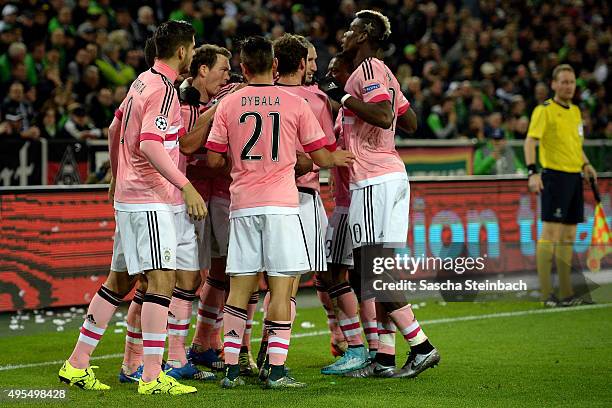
(558, 213)
(370, 88)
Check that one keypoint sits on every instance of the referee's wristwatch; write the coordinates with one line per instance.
(531, 170)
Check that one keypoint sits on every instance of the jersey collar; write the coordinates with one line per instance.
(164, 69)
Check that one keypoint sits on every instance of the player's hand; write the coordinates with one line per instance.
(303, 164)
(332, 88)
(343, 158)
(535, 183)
(196, 208)
(111, 190)
(589, 172)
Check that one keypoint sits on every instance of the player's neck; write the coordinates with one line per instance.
(262, 79)
(362, 54)
(172, 63)
(198, 84)
(289, 80)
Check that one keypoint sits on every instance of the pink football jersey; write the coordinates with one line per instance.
(260, 128)
(150, 111)
(376, 158)
(319, 104)
(194, 165)
(342, 195)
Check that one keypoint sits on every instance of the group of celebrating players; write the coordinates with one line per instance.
(218, 183)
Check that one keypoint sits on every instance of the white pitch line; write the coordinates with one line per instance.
(323, 332)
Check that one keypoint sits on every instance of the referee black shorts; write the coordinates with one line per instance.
(562, 198)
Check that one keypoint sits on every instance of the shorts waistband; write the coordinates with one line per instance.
(307, 190)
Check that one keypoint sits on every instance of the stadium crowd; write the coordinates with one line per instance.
(470, 68)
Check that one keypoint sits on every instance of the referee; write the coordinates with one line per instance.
(557, 125)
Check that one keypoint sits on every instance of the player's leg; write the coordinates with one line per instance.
(247, 365)
(157, 256)
(285, 257)
(234, 323)
(181, 306)
(263, 346)
(394, 221)
(210, 305)
(76, 370)
(219, 213)
(131, 368)
(338, 344)
(244, 261)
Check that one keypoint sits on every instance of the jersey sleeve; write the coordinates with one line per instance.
(327, 125)
(402, 103)
(155, 116)
(537, 124)
(372, 82)
(218, 138)
(310, 134)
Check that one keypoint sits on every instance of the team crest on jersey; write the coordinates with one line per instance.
(370, 88)
(167, 254)
(161, 123)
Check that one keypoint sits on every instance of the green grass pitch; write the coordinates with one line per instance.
(493, 355)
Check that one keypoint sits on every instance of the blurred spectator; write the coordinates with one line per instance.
(187, 11)
(483, 55)
(89, 84)
(442, 121)
(101, 109)
(79, 126)
(114, 71)
(48, 124)
(16, 102)
(146, 23)
(496, 157)
(12, 126)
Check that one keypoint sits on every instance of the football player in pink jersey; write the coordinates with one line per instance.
(373, 106)
(209, 71)
(147, 181)
(258, 129)
(291, 52)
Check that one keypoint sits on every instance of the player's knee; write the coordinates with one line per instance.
(188, 280)
(161, 282)
(120, 282)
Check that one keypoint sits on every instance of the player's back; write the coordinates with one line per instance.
(319, 104)
(374, 147)
(264, 125)
(149, 112)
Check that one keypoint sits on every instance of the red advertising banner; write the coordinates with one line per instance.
(56, 244)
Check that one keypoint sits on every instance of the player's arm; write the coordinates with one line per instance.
(217, 142)
(375, 109)
(303, 164)
(315, 142)
(408, 121)
(114, 134)
(196, 137)
(152, 135)
(326, 159)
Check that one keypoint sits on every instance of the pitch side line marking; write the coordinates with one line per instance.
(322, 332)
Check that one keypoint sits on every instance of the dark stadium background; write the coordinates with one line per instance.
(471, 68)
